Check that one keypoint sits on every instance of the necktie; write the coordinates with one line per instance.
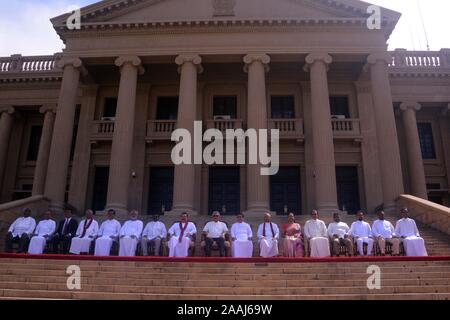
(66, 225)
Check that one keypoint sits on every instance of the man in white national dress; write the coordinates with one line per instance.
(384, 232)
(241, 236)
(130, 235)
(20, 232)
(181, 236)
(154, 232)
(406, 229)
(362, 233)
(316, 235)
(108, 233)
(268, 234)
(86, 232)
(44, 231)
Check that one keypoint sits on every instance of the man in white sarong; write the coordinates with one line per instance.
(362, 233)
(384, 232)
(338, 233)
(316, 235)
(153, 234)
(268, 234)
(241, 236)
(20, 232)
(107, 234)
(86, 232)
(44, 231)
(406, 229)
(130, 235)
(181, 236)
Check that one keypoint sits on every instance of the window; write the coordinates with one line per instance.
(225, 106)
(339, 107)
(283, 107)
(110, 107)
(34, 142)
(167, 108)
(426, 140)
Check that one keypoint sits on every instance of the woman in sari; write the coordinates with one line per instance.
(292, 238)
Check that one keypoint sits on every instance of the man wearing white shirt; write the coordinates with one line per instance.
(44, 231)
(130, 234)
(20, 232)
(316, 235)
(181, 237)
(406, 229)
(362, 233)
(86, 232)
(108, 233)
(384, 232)
(152, 235)
(214, 231)
(241, 236)
(268, 234)
(338, 233)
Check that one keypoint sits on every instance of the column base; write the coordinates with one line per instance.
(327, 209)
(176, 212)
(56, 208)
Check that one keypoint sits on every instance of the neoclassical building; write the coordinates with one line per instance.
(91, 127)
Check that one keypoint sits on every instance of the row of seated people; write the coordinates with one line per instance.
(132, 238)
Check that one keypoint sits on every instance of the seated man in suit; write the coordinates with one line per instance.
(43, 233)
(66, 230)
(20, 232)
(215, 231)
(181, 237)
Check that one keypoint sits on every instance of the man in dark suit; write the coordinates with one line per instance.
(66, 230)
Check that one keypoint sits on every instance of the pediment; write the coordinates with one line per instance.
(139, 11)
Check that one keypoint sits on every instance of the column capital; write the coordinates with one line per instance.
(7, 109)
(76, 63)
(384, 57)
(317, 57)
(410, 105)
(256, 57)
(195, 59)
(132, 60)
(446, 110)
(48, 108)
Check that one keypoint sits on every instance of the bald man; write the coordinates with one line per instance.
(268, 234)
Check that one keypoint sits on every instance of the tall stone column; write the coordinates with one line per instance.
(122, 145)
(390, 163)
(59, 159)
(256, 65)
(6, 124)
(44, 150)
(415, 161)
(184, 181)
(322, 133)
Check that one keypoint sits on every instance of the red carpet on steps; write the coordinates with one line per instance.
(223, 260)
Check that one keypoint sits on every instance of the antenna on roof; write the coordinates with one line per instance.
(423, 24)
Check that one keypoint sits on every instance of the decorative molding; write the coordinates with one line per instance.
(48, 108)
(7, 109)
(224, 7)
(384, 57)
(132, 60)
(317, 57)
(262, 58)
(410, 105)
(195, 59)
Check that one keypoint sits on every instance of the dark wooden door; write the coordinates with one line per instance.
(348, 189)
(224, 190)
(285, 194)
(160, 190)
(101, 179)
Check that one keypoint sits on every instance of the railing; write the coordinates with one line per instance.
(224, 124)
(289, 128)
(160, 129)
(402, 58)
(103, 130)
(346, 127)
(18, 63)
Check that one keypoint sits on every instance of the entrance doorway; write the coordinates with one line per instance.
(101, 179)
(348, 189)
(224, 190)
(160, 190)
(285, 194)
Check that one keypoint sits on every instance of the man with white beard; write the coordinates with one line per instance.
(241, 235)
(20, 232)
(181, 237)
(406, 229)
(130, 234)
(86, 232)
(268, 234)
(44, 231)
(316, 235)
(108, 233)
(362, 233)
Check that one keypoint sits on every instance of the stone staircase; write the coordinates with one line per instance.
(46, 279)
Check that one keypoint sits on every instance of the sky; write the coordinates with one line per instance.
(25, 27)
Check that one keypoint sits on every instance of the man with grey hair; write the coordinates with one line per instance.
(214, 231)
(86, 232)
(268, 234)
(130, 235)
(20, 232)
